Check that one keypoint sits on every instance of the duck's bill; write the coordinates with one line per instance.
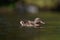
(42, 22)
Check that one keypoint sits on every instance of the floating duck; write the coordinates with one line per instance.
(36, 23)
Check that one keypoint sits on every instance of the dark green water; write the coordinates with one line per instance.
(10, 28)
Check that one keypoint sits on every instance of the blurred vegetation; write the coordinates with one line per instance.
(43, 3)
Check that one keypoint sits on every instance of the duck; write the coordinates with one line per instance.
(36, 23)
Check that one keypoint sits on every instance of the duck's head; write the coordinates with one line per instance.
(36, 19)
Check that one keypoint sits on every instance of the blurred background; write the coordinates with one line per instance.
(12, 11)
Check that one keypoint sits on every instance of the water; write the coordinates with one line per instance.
(10, 28)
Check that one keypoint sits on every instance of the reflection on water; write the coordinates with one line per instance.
(12, 32)
(3, 27)
(10, 28)
(6, 28)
